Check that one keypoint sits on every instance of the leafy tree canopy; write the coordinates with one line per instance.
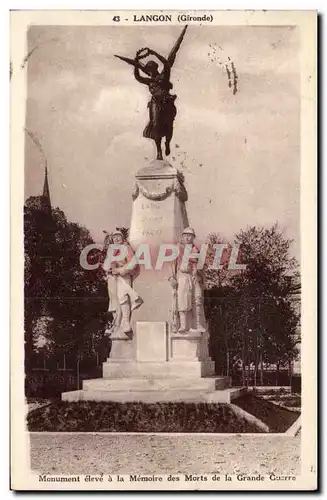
(56, 284)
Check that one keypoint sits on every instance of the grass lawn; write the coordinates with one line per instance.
(277, 418)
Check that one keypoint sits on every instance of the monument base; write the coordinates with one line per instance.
(158, 367)
(122, 349)
(150, 397)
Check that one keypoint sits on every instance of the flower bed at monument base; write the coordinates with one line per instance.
(277, 418)
(282, 396)
(89, 416)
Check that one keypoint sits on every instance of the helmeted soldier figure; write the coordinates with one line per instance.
(189, 284)
(123, 299)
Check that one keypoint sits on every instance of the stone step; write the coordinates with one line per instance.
(171, 396)
(157, 384)
(165, 369)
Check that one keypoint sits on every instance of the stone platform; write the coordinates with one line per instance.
(157, 366)
(151, 382)
(150, 396)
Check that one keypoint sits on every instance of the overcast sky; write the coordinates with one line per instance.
(240, 153)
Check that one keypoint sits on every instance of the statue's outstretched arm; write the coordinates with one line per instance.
(162, 59)
(140, 78)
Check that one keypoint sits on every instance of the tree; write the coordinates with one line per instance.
(251, 313)
(269, 267)
(57, 286)
(268, 281)
(216, 277)
(222, 309)
(38, 226)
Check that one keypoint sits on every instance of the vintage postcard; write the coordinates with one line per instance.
(163, 280)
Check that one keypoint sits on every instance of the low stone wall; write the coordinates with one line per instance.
(250, 418)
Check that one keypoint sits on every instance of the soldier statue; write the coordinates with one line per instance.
(123, 299)
(189, 284)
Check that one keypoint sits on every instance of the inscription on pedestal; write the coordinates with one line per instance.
(151, 232)
(152, 221)
(150, 206)
(158, 217)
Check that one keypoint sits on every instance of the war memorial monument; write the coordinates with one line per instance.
(159, 338)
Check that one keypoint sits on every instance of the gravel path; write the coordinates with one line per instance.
(148, 454)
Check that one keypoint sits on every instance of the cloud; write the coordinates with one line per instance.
(253, 49)
(118, 102)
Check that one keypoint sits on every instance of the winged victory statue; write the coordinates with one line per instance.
(162, 109)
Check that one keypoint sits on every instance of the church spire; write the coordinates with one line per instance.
(46, 190)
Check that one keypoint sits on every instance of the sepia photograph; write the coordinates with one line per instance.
(163, 332)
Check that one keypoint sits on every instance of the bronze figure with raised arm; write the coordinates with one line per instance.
(162, 109)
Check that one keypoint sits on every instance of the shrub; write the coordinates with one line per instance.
(88, 416)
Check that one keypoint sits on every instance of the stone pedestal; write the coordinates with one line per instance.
(158, 216)
(122, 349)
(159, 213)
(190, 346)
